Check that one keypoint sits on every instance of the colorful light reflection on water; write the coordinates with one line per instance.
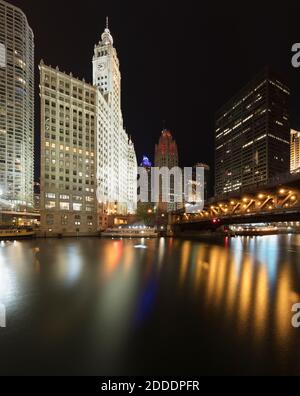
(90, 306)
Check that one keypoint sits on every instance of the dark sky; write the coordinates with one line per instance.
(180, 61)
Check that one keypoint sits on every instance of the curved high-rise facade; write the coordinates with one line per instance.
(16, 106)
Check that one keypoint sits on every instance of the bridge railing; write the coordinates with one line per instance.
(283, 199)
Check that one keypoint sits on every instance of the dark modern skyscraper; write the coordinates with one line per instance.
(252, 135)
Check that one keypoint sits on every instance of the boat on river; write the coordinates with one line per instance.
(130, 232)
(16, 233)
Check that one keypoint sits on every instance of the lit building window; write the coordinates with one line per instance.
(64, 206)
(50, 205)
(50, 196)
(77, 207)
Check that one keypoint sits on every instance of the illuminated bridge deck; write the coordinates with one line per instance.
(277, 202)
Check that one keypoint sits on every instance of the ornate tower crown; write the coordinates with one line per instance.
(106, 36)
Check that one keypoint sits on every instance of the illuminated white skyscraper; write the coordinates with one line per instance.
(16, 106)
(116, 156)
(88, 162)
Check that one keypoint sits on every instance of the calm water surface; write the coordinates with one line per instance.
(102, 307)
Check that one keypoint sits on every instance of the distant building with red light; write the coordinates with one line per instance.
(166, 151)
(166, 155)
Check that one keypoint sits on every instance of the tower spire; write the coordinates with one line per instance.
(106, 36)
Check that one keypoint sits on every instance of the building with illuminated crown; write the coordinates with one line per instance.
(116, 161)
(147, 165)
(166, 156)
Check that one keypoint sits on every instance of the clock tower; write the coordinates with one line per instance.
(116, 159)
(106, 68)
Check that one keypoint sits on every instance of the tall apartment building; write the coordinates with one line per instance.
(252, 137)
(295, 151)
(16, 106)
(89, 167)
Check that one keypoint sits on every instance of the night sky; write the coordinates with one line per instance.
(179, 62)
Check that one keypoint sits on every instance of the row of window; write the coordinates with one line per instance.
(66, 206)
(65, 220)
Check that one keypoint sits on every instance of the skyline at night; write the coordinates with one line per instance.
(178, 67)
(149, 192)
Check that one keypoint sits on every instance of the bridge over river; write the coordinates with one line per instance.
(279, 201)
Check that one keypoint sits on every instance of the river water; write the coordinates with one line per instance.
(150, 307)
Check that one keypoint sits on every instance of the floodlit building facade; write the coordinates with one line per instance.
(295, 151)
(16, 107)
(117, 164)
(68, 154)
(132, 170)
(88, 162)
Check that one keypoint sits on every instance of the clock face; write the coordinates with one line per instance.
(101, 66)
